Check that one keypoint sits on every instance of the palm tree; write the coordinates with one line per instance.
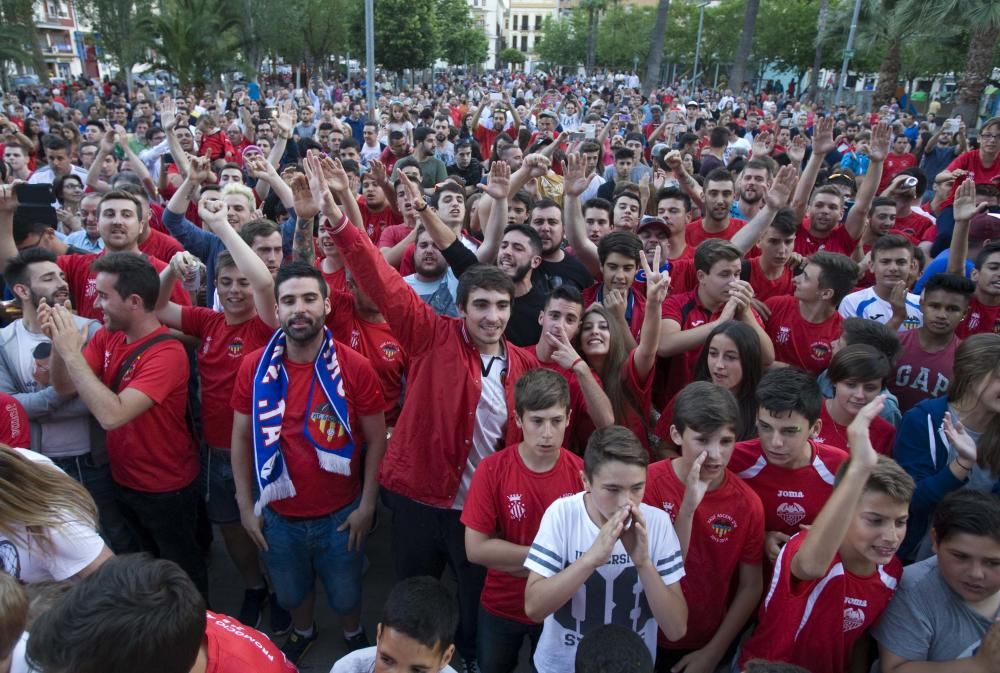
(738, 72)
(824, 12)
(981, 18)
(655, 59)
(196, 40)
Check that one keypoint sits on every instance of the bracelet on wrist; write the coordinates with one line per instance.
(575, 363)
(964, 467)
(420, 210)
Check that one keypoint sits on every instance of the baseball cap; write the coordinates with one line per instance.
(984, 227)
(659, 149)
(691, 103)
(648, 221)
(548, 113)
(842, 177)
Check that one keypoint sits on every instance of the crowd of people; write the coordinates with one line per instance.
(688, 381)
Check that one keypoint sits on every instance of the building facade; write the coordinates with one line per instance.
(490, 16)
(523, 28)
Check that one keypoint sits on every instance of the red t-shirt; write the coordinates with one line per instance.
(641, 391)
(816, 623)
(336, 281)
(376, 221)
(798, 342)
(921, 375)
(15, 429)
(980, 318)
(638, 301)
(235, 648)
(764, 288)
(727, 530)
(914, 226)
(881, 432)
(217, 146)
(507, 500)
(219, 356)
(161, 246)
(392, 235)
(486, 137)
(83, 283)
(839, 240)
(791, 496)
(377, 343)
(318, 492)
(695, 233)
(893, 166)
(154, 452)
(972, 161)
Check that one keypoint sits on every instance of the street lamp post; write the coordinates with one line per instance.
(849, 52)
(697, 46)
(370, 56)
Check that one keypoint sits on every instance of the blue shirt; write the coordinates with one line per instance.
(939, 265)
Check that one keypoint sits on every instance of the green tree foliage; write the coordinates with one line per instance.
(118, 23)
(564, 40)
(18, 37)
(509, 55)
(625, 36)
(196, 40)
(460, 42)
(405, 34)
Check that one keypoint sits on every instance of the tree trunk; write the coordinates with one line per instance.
(655, 59)
(888, 76)
(824, 12)
(978, 67)
(737, 74)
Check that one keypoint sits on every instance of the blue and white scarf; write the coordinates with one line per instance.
(270, 384)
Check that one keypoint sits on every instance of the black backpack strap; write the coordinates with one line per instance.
(686, 310)
(134, 355)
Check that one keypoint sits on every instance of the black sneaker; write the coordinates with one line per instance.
(254, 601)
(357, 642)
(297, 645)
(281, 620)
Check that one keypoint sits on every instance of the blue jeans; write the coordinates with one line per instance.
(500, 640)
(218, 470)
(97, 480)
(300, 549)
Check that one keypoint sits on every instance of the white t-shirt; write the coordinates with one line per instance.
(74, 546)
(565, 534)
(19, 657)
(491, 418)
(26, 363)
(866, 304)
(363, 661)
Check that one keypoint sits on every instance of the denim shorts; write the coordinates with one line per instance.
(221, 506)
(299, 550)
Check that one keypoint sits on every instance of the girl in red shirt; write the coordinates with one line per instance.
(858, 374)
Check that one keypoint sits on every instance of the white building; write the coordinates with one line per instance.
(490, 17)
(523, 27)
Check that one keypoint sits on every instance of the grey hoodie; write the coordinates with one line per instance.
(60, 427)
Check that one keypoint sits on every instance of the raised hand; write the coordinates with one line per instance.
(377, 169)
(8, 199)
(108, 141)
(963, 444)
(897, 298)
(616, 301)
(498, 180)
(257, 166)
(763, 144)
(782, 187)
(563, 352)
(538, 165)
(880, 142)
(336, 176)
(215, 214)
(657, 282)
(199, 170)
(822, 140)
(858, 439)
(305, 194)
(61, 328)
(412, 190)
(575, 174)
(965, 207)
(797, 152)
(183, 264)
(285, 120)
(674, 161)
(168, 114)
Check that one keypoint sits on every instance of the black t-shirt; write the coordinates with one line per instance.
(523, 328)
(569, 271)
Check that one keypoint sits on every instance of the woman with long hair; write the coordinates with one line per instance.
(951, 442)
(626, 374)
(48, 522)
(732, 361)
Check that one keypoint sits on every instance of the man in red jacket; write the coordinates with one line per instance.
(458, 403)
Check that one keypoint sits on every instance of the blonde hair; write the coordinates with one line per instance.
(38, 498)
(242, 190)
(13, 613)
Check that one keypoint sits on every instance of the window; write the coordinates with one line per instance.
(524, 22)
(524, 43)
(538, 22)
